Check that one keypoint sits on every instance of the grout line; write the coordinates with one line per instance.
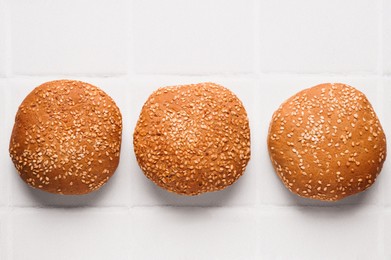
(8, 180)
(380, 208)
(380, 94)
(8, 49)
(257, 126)
(130, 43)
(65, 208)
(381, 234)
(139, 76)
(263, 207)
(9, 236)
(380, 38)
(257, 37)
(3, 40)
(65, 76)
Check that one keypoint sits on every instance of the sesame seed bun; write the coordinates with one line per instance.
(326, 142)
(192, 139)
(66, 138)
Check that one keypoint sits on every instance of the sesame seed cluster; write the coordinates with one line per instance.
(193, 139)
(326, 142)
(66, 137)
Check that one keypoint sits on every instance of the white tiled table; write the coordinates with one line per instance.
(264, 51)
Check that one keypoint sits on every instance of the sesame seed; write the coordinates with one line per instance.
(335, 128)
(58, 121)
(201, 139)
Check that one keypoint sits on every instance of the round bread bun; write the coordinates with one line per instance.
(193, 139)
(326, 142)
(66, 138)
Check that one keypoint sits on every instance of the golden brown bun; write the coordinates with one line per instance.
(326, 142)
(193, 139)
(66, 138)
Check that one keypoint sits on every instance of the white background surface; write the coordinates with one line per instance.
(264, 51)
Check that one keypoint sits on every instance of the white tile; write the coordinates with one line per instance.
(4, 175)
(70, 234)
(387, 234)
(271, 189)
(68, 37)
(243, 192)
(193, 233)
(319, 233)
(115, 192)
(319, 36)
(386, 172)
(4, 245)
(387, 36)
(3, 38)
(200, 37)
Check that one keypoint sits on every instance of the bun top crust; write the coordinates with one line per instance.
(192, 139)
(66, 138)
(326, 142)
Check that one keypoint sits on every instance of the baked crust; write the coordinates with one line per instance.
(66, 138)
(326, 142)
(193, 139)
